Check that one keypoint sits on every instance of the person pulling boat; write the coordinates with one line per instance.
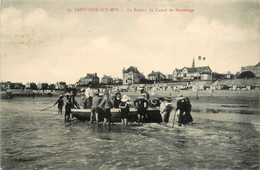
(184, 105)
(107, 104)
(124, 110)
(68, 106)
(164, 109)
(141, 104)
(94, 108)
(89, 93)
(60, 103)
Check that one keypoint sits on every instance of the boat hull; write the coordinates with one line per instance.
(152, 113)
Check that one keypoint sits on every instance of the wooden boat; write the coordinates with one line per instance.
(153, 115)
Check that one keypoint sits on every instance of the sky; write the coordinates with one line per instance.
(42, 41)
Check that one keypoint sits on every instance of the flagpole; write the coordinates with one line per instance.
(197, 87)
(199, 58)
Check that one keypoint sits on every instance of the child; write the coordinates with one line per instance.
(117, 100)
(141, 104)
(107, 104)
(163, 108)
(124, 110)
(67, 109)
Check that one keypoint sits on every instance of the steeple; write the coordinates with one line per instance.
(193, 63)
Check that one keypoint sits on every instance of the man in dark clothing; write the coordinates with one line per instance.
(60, 104)
(68, 106)
(187, 117)
(141, 104)
(183, 104)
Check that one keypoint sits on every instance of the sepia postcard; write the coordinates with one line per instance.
(130, 84)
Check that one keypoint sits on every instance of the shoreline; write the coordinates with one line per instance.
(221, 101)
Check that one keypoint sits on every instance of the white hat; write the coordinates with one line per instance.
(125, 98)
(180, 96)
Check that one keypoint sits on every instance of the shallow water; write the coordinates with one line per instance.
(31, 139)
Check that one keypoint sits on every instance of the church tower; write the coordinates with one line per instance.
(193, 63)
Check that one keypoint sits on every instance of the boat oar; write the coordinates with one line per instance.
(47, 108)
(174, 118)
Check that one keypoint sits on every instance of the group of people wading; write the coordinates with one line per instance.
(70, 103)
(183, 106)
(101, 105)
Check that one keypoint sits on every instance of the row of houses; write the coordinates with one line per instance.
(132, 75)
(31, 85)
(95, 80)
(10, 85)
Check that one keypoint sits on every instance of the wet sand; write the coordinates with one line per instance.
(31, 139)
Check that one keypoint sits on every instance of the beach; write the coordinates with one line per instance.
(226, 139)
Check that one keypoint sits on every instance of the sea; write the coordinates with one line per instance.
(35, 139)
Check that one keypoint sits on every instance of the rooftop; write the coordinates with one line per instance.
(131, 69)
(91, 75)
(198, 69)
(157, 73)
